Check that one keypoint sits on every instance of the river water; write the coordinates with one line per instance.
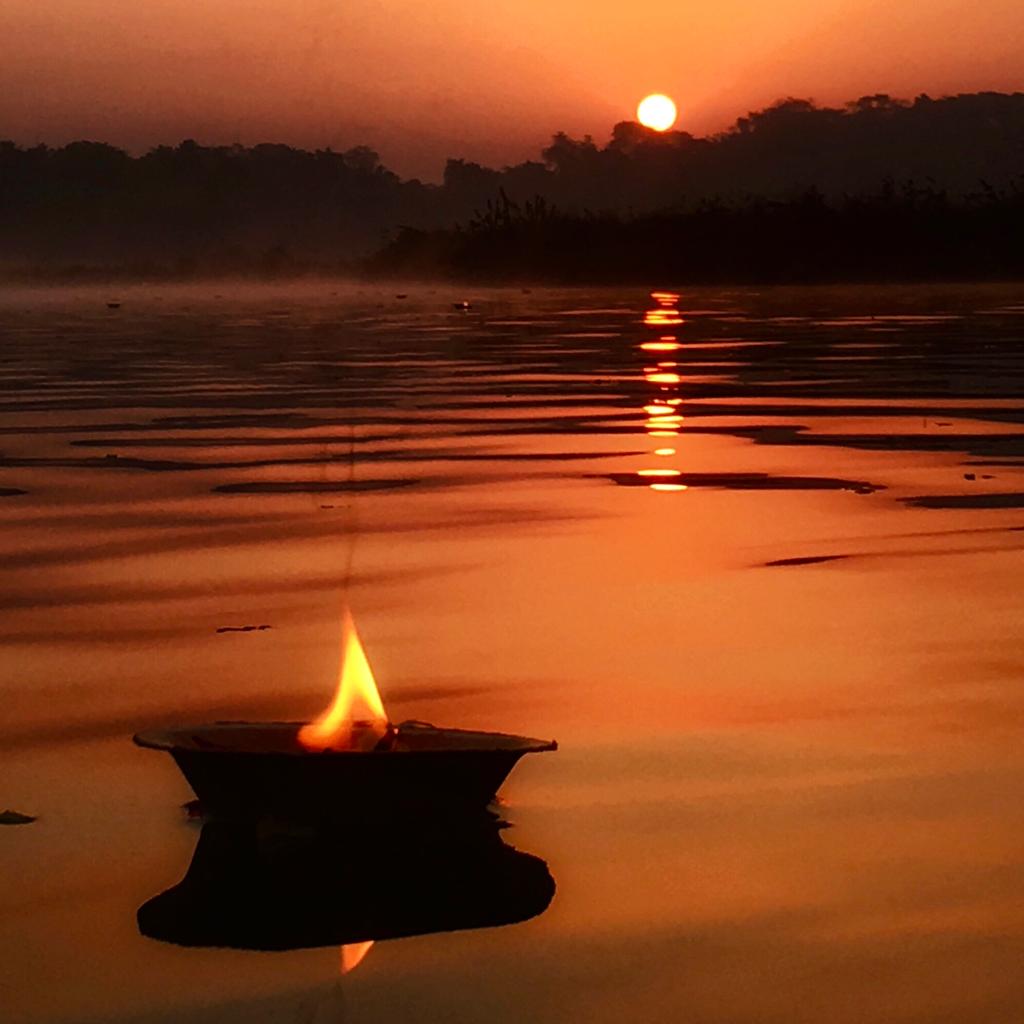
(753, 557)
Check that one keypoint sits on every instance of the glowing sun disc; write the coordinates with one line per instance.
(657, 112)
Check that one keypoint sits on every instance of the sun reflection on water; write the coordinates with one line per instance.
(663, 417)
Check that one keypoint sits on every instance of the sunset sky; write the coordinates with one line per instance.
(491, 82)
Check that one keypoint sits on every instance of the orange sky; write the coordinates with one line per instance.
(422, 81)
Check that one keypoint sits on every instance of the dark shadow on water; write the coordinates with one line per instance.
(132, 592)
(746, 482)
(1001, 446)
(804, 560)
(387, 455)
(312, 486)
(306, 527)
(971, 501)
(888, 554)
(250, 887)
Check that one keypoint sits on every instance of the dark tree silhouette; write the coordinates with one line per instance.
(881, 185)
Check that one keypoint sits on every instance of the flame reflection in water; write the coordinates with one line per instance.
(353, 954)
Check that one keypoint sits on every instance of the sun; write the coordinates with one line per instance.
(657, 112)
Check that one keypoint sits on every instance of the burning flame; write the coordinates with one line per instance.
(356, 689)
(352, 954)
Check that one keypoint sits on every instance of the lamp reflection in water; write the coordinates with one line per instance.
(250, 886)
(662, 409)
(352, 955)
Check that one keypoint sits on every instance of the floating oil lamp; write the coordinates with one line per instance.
(350, 764)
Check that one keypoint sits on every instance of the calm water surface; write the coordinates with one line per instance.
(753, 557)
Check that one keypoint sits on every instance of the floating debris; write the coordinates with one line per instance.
(461, 306)
(401, 295)
(113, 305)
(970, 476)
(242, 629)
(10, 817)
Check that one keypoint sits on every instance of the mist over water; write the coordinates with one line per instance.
(752, 556)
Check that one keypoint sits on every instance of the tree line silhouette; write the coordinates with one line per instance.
(894, 233)
(880, 187)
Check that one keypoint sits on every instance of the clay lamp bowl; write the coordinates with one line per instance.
(251, 770)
